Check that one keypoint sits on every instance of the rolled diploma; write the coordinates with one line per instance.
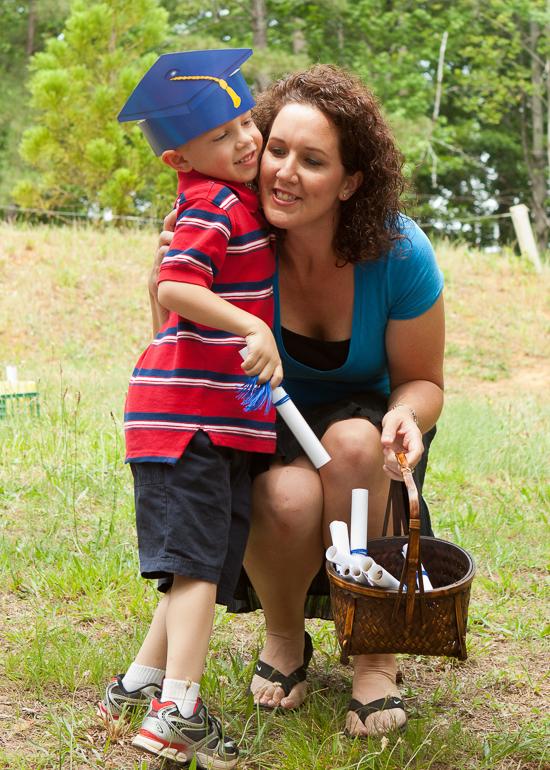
(302, 432)
(338, 557)
(359, 519)
(382, 579)
(357, 564)
(339, 536)
(360, 573)
(359, 576)
(425, 579)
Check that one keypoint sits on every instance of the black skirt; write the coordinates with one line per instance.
(371, 406)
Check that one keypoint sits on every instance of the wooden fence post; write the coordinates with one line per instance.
(524, 232)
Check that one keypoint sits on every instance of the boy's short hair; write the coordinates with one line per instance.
(186, 94)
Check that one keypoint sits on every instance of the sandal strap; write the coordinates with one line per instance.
(272, 674)
(364, 710)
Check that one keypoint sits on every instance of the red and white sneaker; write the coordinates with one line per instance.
(165, 733)
(119, 703)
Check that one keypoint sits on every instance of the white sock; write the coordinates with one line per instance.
(183, 694)
(138, 676)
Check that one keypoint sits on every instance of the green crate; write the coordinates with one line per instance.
(14, 403)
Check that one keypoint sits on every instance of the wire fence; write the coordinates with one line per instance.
(15, 210)
(443, 222)
(93, 218)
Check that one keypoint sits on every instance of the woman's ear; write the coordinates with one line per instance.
(351, 184)
(175, 160)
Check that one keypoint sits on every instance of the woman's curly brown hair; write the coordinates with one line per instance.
(369, 222)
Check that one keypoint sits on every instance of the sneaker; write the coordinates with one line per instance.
(165, 733)
(118, 702)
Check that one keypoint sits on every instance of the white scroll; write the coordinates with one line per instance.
(381, 578)
(339, 536)
(425, 579)
(297, 424)
(301, 430)
(359, 521)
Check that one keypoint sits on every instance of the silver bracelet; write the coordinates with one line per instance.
(415, 416)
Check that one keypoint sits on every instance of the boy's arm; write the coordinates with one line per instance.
(200, 305)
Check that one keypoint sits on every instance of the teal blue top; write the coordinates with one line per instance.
(402, 284)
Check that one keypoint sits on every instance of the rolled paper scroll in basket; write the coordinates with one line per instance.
(425, 579)
(339, 536)
(359, 521)
(381, 578)
(360, 575)
(358, 564)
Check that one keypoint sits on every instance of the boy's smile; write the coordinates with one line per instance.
(229, 152)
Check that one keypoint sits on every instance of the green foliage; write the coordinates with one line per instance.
(78, 85)
(15, 37)
(475, 159)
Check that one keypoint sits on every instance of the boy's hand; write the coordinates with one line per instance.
(263, 357)
(160, 314)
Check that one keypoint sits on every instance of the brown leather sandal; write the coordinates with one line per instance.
(364, 710)
(286, 683)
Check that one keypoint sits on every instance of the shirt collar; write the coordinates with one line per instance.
(248, 197)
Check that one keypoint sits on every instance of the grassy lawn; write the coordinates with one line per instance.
(74, 318)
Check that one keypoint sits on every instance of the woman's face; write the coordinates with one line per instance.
(302, 179)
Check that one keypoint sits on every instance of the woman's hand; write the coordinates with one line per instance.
(159, 313)
(400, 434)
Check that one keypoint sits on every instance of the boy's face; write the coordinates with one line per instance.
(229, 152)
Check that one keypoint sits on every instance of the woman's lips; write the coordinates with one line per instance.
(284, 197)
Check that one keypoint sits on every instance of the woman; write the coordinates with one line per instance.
(360, 327)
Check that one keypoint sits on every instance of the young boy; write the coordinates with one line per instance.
(188, 438)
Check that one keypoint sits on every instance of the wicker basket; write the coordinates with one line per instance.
(372, 620)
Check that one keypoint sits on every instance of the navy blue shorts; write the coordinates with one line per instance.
(193, 518)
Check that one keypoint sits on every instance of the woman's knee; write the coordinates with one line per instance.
(288, 502)
(354, 442)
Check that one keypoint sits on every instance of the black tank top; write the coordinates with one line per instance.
(323, 355)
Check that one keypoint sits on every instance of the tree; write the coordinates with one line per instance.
(79, 83)
(258, 24)
(23, 29)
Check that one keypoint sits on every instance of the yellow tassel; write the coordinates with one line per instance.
(235, 98)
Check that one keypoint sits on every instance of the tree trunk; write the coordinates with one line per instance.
(259, 38)
(31, 27)
(538, 174)
(298, 39)
(340, 36)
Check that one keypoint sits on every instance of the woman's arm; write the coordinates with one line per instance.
(159, 314)
(415, 350)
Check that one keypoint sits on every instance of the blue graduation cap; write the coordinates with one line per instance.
(186, 94)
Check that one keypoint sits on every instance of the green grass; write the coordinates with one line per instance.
(75, 609)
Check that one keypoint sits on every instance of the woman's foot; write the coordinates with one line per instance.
(374, 678)
(286, 655)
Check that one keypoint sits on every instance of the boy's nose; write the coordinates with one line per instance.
(243, 140)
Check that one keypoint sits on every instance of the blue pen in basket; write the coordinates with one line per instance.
(254, 396)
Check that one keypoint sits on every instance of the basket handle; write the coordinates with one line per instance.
(411, 567)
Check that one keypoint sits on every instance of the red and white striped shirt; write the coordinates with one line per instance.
(187, 378)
